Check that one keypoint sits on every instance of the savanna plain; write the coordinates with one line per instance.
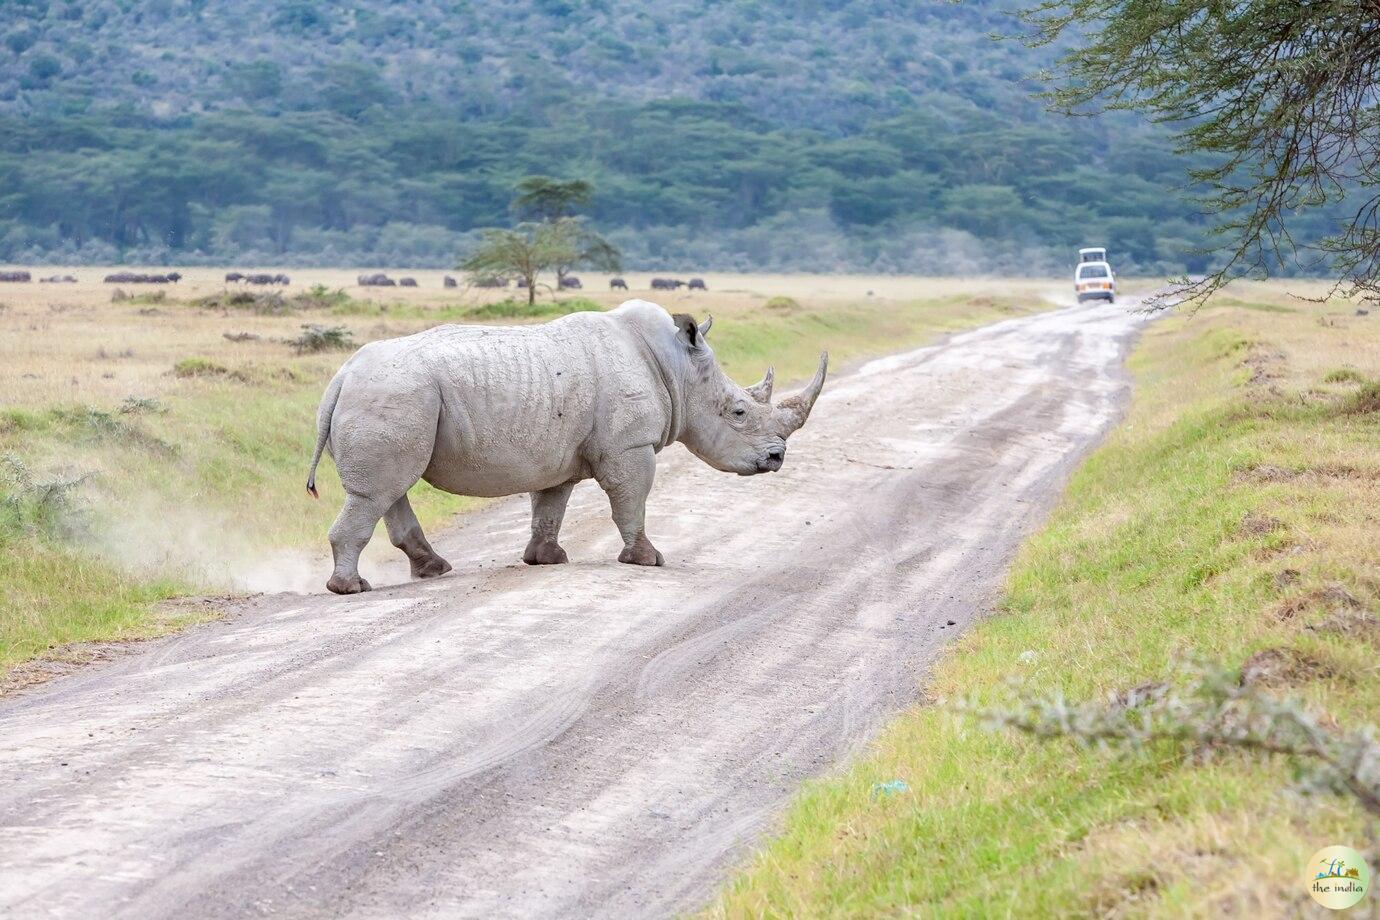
(154, 445)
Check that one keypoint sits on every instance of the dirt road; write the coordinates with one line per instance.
(591, 739)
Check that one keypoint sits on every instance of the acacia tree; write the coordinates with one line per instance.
(586, 248)
(523, 252)
(548, 199)
(1280, 93)
(553, 202)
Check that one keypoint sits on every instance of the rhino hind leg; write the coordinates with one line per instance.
(349, 534)
(548, 511)
(406, 534)
(627, 479)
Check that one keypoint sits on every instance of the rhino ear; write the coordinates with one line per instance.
(687, 327)
(705, 326)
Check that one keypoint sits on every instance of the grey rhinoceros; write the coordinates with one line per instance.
(497, 410)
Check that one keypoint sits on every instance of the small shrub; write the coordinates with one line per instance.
(1344, 375)
(199, 367)
(270, 303)
(107, 426)
(784, 304)
(1365, 401)
(321, 297)
(1215, 709)
(136, 405)
(315, 338)
(32, 506)
(94, 421)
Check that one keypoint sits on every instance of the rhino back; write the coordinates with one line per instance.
(527, 408)
(505, 409)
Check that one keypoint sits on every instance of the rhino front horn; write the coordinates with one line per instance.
(794, 410)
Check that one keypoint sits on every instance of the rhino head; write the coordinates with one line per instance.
(737, 429)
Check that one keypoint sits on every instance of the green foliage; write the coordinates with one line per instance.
(1280, 98)
(43, 67)
(255, 81)
(545, 198)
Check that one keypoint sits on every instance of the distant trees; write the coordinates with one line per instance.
(255, 81)
(320, 141)
(693, 187)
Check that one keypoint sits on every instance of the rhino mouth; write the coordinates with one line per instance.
(772, 460)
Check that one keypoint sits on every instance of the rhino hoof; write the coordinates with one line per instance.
(429, 567)
(642, 552)
(545, 552)
(352, 585)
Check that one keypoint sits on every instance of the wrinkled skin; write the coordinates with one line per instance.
(489, 411)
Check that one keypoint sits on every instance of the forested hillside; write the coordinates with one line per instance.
(875, 134)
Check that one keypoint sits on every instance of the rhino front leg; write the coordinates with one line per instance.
(406, 534)
(548, 510)
(627, 478)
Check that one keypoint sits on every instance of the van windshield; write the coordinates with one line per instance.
(1092, 271)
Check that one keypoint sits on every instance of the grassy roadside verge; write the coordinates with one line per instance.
(157, 447)
(1233, 517)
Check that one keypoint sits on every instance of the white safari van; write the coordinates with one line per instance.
(1094, 278)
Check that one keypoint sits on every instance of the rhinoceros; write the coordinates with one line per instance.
(499, 410)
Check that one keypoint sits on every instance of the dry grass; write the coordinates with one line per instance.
(69, 343)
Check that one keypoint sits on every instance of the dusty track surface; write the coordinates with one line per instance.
(587, 739)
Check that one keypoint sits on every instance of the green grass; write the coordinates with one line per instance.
(199, 367)
(1147, 560)
(1344, 375)
(542, 309)
(211, 464)
(509, 309)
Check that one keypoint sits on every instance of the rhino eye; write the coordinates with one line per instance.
(740, 412)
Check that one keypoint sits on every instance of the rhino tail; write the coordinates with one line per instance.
(323, 430)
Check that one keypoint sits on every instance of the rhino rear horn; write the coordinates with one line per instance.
(794, 410)
(762, 391)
